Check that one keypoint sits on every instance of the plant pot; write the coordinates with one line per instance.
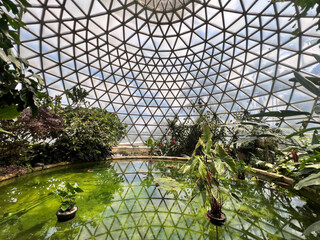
(216, 221)
(67, 215)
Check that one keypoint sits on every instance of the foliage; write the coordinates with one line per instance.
(306, 5)
(77, 95)
(89, 134)
(315, 227)
(308, 84)
(280, 114)
(208, 164)
(307, 169)
(123, 153)
(253, 141)
(73, 133)
(152, 145)
(311, 180)
(181, 139)
(16, 146)
(307, 165)
(17, 91)
(67, 194)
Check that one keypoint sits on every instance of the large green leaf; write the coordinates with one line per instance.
(280, 114)
(315, 80)
(224, 157)
(9, 112)
(219, 167)
(314, 227)
(315, 138)
(206, 136)
(311, 180)
(4, 56)
(316, 166)
(307, 121)
(202, 170)
(307, 84)
(65, 206)
(255, 124)
(317, 57)
(302, 131)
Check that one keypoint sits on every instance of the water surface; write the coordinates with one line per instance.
(122, 200)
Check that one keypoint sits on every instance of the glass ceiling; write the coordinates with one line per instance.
(149, 60)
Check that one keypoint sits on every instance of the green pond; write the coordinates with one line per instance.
(129, 200)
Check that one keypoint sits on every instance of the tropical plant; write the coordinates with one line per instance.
(89, 134)
(307, 162)
(253, 141)
(152, 145)
(17, 90)
(309, 159)
(208, 166)
(181, 139)
(77, 95)
(67, 194)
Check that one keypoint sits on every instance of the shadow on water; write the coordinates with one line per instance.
(143, 200)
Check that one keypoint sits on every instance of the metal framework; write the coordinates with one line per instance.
(149, 61)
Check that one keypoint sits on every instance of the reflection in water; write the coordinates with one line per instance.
(122, 201)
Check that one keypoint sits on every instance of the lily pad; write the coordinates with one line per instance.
(168, 183)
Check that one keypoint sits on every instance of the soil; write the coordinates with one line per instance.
(13, 169)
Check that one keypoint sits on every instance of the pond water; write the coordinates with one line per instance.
(126, 200)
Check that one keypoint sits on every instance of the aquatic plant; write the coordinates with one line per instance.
(67, 194)
(208, 165)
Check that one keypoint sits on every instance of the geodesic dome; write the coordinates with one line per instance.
(152, 60)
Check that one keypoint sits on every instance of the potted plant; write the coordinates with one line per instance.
(67, 194)
(207, 164)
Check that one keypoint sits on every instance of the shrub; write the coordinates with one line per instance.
(89, 134)
(181, 139)
(16, 146)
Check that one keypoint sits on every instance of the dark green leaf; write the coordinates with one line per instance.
(4, 56)
(255, 124)
(317, 57)
(315, 227)
(307, 84)
(302, 131)
(315, 80)
(78, 190)
(311, 180)
(64, 207)
(307, 121)
(224, 156)
(9, 112)
(315, 137)
(296, 32)
(202, 170)
(280, 114)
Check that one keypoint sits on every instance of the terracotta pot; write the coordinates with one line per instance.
(216, 221)
(67, 215)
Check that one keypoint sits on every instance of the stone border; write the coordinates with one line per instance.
(49, 166)
(165, 158)
(35, 169)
